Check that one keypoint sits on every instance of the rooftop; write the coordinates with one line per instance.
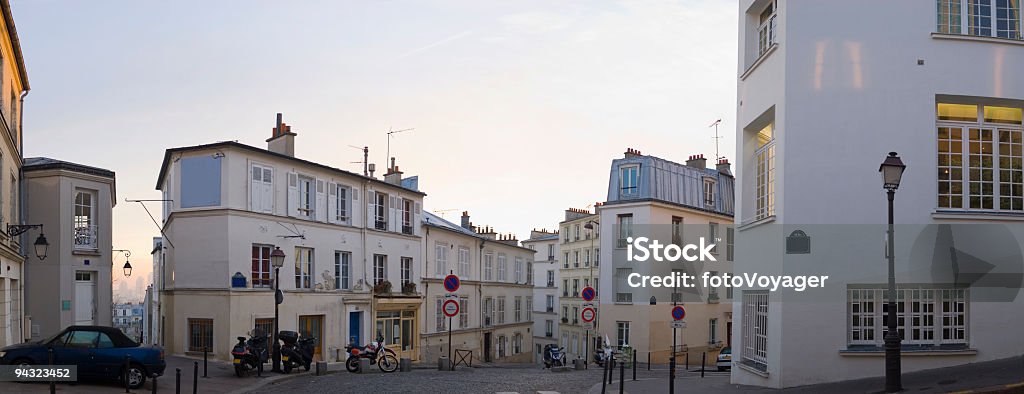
(46, 163)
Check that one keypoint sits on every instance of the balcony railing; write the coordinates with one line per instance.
(86, 237)
(380, 225)
(551, 283)
(549, 334)
(551, 309)
(713, 298)
(407, 230)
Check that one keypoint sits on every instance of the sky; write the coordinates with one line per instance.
(518, 107)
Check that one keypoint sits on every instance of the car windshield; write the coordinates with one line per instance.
(726, 351)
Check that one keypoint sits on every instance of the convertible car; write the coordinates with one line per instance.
(98, 351)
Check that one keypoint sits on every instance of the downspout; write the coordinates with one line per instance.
(480, 294)
(371, 319)
(22, 197)
(426, 285)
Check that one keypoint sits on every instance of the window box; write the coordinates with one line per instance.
(409, 288)
(382, 287)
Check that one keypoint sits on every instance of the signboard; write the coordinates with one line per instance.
(452, 283)
(588, 315)
(588, 325)
(451, 308)
(678, 313)
(588, 293)
(678, 324)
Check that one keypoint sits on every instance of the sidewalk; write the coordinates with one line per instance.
(1000, 376)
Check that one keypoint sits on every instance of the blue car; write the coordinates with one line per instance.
(98, 351)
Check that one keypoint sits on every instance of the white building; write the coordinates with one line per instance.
(352, 244)
(152, 321)
(580, 250)
(546, 323)
(825, 90)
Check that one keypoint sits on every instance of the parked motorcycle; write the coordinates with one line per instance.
(249, 355)
(602, 355)
(296, 351)
(554, 356)
(386, 359)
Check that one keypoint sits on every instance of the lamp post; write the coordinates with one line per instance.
(277, 260)
(40, 246)
(892, 170)
(591, 226)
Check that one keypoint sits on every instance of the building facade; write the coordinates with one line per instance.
(495, 297)
(352, 246)
(821, 101)
(546, 319)
(74, 203)
(13, 88)
(676, 204)
(579, 269)
(129, 319)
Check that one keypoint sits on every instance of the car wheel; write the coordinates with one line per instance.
(136, 376)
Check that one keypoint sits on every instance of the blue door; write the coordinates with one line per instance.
(355, 322)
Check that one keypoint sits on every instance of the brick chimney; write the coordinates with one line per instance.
(697, 161)
(393, 176)
(724, 167)
(282, 140)
(630, 152)
(466, 224)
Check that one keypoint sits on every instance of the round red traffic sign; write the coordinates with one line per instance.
(678, 313)
(451, 307)
(588, 293)
(452, 283)
(588, 315)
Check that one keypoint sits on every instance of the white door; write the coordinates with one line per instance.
(85, 298)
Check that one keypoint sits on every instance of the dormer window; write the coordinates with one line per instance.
(629, 180)
(709, 192)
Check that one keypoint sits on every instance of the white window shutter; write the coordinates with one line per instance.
(321, 201)
(332, 203)
(268, 190)
(416, 219)
(293, 194)
(255, 188)
(371, 197)
(353, 196)
(393, 224)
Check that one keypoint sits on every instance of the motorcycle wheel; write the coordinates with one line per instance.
(287, 367)
(352, 364)
(308, 363)
(239, 371)
(388, 363)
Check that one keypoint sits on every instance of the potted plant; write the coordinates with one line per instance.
(382, 287)
(409, 288)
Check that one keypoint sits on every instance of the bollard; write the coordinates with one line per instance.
(205, 351)
(702, 354)
(321, 367)
(177, 381)
(672, 376)
(634, 365)
(604, 387)
(622, 377)
(153, 385)
(195, 377)
(648, 361)
(53, 385)
(687, 361)
(405, 364)
(127, 364)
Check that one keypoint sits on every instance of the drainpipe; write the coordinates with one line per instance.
(426, 286)
(371, 319)
(22, 197)
(480, 294)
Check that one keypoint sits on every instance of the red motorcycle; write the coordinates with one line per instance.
(386, 359)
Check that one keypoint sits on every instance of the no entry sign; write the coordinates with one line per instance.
(588, 315)
(451, 308)
(588, 293)
(452, 283)
(678, 313)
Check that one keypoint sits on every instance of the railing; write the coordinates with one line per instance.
(86, 237)
(551, 309)
(551, 283)
(549, 334)
(380, 225)
(766, 36)
(407, 230)
(713, 298)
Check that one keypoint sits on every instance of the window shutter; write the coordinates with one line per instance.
(293, 194)
(321, 201)
(267, 189)
(332, 203)
(255, 188)
(371, 196)
(416, 219)
(393, 225)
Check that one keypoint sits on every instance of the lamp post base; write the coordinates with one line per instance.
(892, 363)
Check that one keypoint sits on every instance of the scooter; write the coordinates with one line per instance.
(296, 352)
(601, 355)
(248, 355)
(554, 356)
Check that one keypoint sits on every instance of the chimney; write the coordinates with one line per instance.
(282, 141)
(630, 152)
(393, 176)
(466, 224)
(723, 167)
(697, 161)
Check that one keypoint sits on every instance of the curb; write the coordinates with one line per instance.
(1010, 388)
(275, 379)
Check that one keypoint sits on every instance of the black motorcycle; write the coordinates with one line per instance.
(249, 355)
(296, 352)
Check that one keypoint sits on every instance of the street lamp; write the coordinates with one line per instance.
(14, 230)
(127, 265)
(892, 170)
(277, 260)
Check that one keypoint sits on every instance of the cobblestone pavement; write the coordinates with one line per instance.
(517, 378)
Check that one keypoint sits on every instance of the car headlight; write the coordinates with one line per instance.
(2, 354)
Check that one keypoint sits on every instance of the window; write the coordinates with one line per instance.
(339, 200)
(621, 333)
(529, 308)
(565, 313)
(85, 231)
(518, 269)
(730, 243)
(501, 310)
(575, 315)
(380, 211)
(586, 258)
(551, 278)
(488, 311)
(949, 16)
(574, 344)
(712, 331)
(551, 252)
(677, 230)
(440, 318)
(629, 179)
(713, 237)
(488, 265)
(407, 216)
(342, 270)
(565, 287)
(463, 312)
(709, 193)
(261, 188)
(82, 339)
(625, 228)
(517, 343)
(597, 257)
(529, 273)
(713, 291)
(406, 270)
(566, 232)
(766, 30)
(575, 287)
(577, 232)
(764, 161)
(925, 316)
(517, 309)
(980, 158)
(576, 259)
(266, 325)
(303, 268)
(261, 266)
(501, 346)
(463, 262)
(624, 297)
(502, 268)
(200, 334)
(441, 259)
(549, 300)
(565, 261)
(380, 268)
(755, 329)
(549, 328)
(307, 197)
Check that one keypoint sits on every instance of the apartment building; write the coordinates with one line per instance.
(546, 319)
(495, 298)
(580, 269)
(679, 204)
(352, 246)
(821, 102)
(74, 204)
(128, 317)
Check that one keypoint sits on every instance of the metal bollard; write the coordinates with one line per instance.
(177, 381)
(622, 378)
(634, 365)
(612, 369)
(687, 361)
(127, 364)
(195, 377)
(206, 350)
(153, 385)
(672, 376)
(53, 385)
(648, 361)
(604, 387)
(702, 354)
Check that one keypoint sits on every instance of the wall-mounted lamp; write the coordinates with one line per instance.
(127, 265)
(41, 245)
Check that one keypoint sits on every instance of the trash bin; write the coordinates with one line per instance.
(405, 364)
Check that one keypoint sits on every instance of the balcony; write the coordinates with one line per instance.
(565, 293)
(86, 237)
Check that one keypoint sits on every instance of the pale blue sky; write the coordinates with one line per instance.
(519, 106)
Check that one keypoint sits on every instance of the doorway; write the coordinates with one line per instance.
(487, 347)
(355, 322)
(728, 334)
(313, 326)
(85, 298)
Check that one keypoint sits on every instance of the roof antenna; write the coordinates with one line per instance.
(366, 159)
(716, 138)
(390, 132)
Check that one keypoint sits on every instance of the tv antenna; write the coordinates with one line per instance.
(716, 138)
(390, 132)
(366, 159)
